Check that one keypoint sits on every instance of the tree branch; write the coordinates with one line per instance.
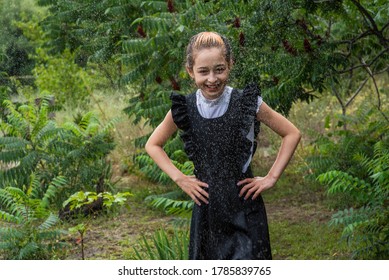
(382, 71)
(337, 95)
(364, 64)
(366, 14)
(353, 40)
(368, 70)
(385, 26)
(370, 20)
(357, 92)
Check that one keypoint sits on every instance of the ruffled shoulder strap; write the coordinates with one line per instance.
(248, 112)
(181, 118)
(180, 111)
(249, 104)
(251, 91)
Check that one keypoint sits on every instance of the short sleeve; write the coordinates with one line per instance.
(180, 111)
(251, 101)
(181, 118)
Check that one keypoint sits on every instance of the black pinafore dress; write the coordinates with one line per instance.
(229, 227)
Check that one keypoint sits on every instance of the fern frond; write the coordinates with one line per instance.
(5, 216)
(17, 194)
(74, 128)
(88, 119)
(51, 221)
(174, 145)
(47, 132)
(53, 189)
(140, 142)
(40, 120)
(172, 206)
(28, 251)
(111, 125)
(12, 143)
(17, 125)
(341, 181)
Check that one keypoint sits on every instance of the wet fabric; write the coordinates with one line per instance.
(228, 227)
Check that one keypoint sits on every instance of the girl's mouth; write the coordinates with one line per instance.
(212, 87)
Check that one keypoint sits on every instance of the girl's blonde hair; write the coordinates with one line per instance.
(206, 40)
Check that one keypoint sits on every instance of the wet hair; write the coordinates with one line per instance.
(205, 40)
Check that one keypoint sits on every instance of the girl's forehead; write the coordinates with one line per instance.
(209, 55)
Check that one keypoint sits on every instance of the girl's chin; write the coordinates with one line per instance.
(212, 93)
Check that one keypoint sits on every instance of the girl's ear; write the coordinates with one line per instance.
(190, 72)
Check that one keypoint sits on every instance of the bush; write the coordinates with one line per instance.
(62, 77)
(30, 228)
(367, 227)
(33, 143)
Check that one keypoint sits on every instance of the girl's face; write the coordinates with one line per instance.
(210, 72)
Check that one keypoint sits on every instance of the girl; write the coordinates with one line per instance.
(219, 125)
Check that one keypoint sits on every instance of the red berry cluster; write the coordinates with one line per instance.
(170, 6)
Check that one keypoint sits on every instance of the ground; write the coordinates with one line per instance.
(298, 222)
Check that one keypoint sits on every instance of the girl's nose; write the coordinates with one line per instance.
(212, 78)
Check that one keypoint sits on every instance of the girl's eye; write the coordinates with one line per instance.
(219, 70)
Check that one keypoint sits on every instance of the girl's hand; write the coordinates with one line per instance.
(254, 186)
(194, 188)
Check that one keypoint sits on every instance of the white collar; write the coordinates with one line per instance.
(223, 98)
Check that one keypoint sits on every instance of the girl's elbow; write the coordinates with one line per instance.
(294, 135)
(297, 136)
(148, 147)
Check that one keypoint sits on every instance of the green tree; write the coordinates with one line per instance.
(14, 46)
(92, 30)
(294, 49)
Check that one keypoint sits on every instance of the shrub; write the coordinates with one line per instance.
(30, 228)
(62, 77)
(33, 143)
(366, 228)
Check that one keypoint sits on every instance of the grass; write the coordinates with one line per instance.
(298, 213)
(298, 217)
(306, 241)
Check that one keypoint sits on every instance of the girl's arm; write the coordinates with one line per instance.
(154, 147)
(290, 138)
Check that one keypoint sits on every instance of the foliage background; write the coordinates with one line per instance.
(322, 63)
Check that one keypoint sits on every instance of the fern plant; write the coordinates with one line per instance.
(338, 148)
(365, 227)
(33, 143)
(29, 230)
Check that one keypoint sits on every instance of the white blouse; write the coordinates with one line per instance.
(214, 108)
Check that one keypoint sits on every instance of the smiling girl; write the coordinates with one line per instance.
(219, 126)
